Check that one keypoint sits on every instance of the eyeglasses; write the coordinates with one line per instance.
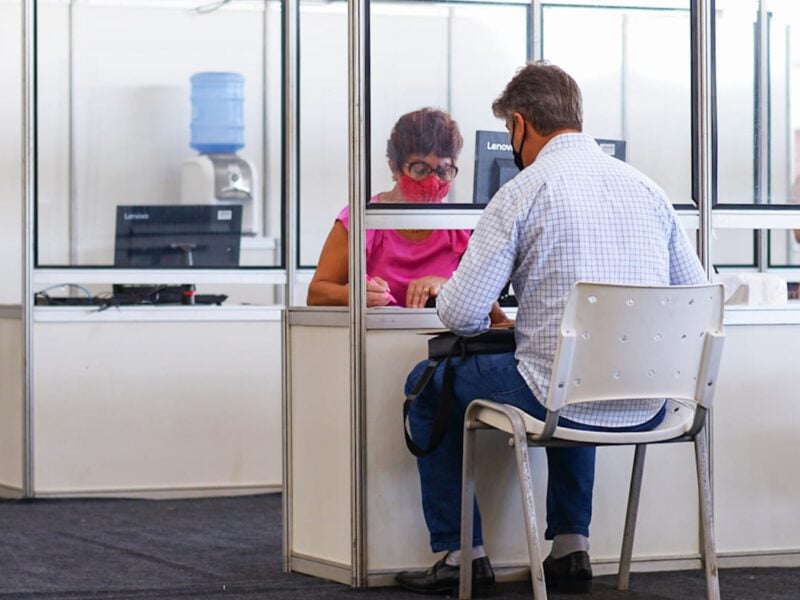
(420, 170)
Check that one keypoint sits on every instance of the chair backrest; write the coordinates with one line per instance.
(623, 342)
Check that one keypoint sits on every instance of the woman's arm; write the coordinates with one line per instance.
(328, 287)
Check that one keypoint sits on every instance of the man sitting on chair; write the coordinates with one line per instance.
(572, 214)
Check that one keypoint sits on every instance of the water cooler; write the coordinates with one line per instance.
(218, 175)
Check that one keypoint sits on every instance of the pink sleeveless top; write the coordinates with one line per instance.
(399, 260)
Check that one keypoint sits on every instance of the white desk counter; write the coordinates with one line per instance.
(156, 400)
(757, 491)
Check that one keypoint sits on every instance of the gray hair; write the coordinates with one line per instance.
(545, 95)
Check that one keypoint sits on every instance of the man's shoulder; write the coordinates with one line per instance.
(641, 178)
(550, 172)
(636, 183)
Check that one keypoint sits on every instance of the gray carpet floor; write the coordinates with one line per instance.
(230, 548)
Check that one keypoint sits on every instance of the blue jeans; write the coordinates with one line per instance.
(495, 377)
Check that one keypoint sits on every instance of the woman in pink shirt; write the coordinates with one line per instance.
(405, 267)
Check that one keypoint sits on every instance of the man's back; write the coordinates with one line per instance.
(575, 214)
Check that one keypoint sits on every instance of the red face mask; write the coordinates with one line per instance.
(430, 189)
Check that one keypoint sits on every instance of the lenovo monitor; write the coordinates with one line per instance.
(178, 236)
(494, 162)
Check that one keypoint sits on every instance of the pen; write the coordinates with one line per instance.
(371, 280)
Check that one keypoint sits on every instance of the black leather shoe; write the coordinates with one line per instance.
(442, 578)
(571, 573)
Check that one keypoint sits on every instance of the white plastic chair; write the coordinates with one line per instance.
(616, 342)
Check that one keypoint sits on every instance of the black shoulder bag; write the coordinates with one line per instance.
(443, 347)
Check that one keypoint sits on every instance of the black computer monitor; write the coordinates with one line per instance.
(615, 148)
(176, 236)
(494, 162)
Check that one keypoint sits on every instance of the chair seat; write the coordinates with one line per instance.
(676, 423)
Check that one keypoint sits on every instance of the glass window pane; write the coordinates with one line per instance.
(757, 74)
(440, 55)
(784, 158)
(115, 111)
(323, 123)
(782, 56)
(784, 247)
(461, 68)
(10, 154)
(633, 67)
(734, 247)
(736, 88)
(758, 115)
(784, 251)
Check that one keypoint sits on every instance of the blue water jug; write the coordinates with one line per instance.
(217, 112)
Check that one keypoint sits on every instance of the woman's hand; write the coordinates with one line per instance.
(378, 293)
(419, 290)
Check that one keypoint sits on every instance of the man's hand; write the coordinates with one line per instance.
(499, 318)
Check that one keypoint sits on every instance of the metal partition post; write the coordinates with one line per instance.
(762, 128)
(623, 80)
(290, 135)
(357, 79)
(702, 14)
(287, 442)
(702, 73)
(265, 130)
(28, 200)
(536, 30)
(787, 115)
(74, 233)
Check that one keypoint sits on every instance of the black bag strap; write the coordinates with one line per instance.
(440, 421)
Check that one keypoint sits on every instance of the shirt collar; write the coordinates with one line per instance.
(567, 140)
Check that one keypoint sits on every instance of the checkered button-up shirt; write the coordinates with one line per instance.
(575, 214)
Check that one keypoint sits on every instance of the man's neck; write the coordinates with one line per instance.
(540, 141)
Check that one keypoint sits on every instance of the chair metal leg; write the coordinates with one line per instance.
(701, 450)
(467, 506)
(520, 440)
(624, 575)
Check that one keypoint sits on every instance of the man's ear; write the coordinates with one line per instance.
(517, 127)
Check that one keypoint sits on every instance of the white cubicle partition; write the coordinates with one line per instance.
(320, 485)
(757, 438)
(156, 401)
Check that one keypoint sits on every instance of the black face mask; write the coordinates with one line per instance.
(518, 153)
